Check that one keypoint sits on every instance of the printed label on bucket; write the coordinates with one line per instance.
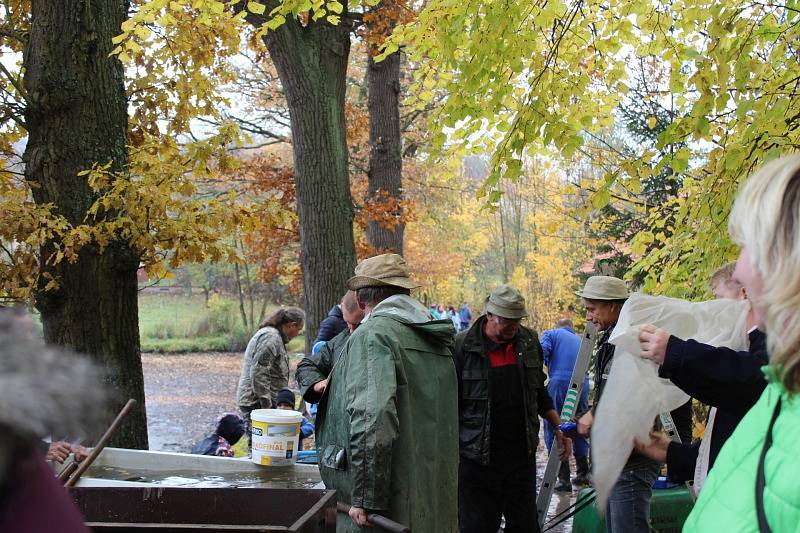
(274, 443)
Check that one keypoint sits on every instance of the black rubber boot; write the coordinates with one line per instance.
(582, 475)
(563, 484)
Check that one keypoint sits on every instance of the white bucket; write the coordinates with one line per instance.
(276, 433)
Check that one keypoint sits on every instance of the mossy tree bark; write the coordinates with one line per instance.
(311, 62)
(76, 116)
(385, 171)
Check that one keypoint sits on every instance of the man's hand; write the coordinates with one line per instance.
(320, 386)
(58, 451)
(656, 449)
(564, 445)
(359, 517)
(653, 341)
(80, 452)
(585, 424)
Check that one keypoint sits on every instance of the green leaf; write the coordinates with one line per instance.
(334, 7)
(256, 7)
(601, 199)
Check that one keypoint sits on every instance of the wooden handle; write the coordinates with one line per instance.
(378, 520)
(87, 462)
(67, 471)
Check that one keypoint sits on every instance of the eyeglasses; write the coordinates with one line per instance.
(507, 321)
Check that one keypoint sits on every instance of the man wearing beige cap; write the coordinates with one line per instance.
(628, 507)
(501, 397)
(387, 424)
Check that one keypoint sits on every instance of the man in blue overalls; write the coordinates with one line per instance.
(560, 350)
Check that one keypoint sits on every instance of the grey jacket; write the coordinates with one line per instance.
(265, 370)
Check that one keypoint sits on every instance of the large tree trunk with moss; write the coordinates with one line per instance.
(385, 160)
(76, 116)
(312, 62)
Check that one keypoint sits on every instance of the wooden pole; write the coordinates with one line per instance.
(86, 463)
(378, 520)
(67, 471)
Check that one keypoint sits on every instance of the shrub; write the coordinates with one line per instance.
(222, 317)
(238, 338)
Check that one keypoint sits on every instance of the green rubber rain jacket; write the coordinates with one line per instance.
(387, 425)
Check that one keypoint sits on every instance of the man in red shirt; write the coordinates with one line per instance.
(501, 397)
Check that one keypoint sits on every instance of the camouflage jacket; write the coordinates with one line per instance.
(265, 370)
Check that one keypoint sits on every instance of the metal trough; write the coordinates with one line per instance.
(186, 510)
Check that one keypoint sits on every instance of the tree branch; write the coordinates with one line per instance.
(11, 33)
(15, 82)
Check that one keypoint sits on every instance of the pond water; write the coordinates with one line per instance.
(272, 479)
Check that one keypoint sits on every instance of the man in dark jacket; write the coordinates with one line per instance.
(331, 325)
(729, 381)
(313, 370)
(501, 396)
(628, 508)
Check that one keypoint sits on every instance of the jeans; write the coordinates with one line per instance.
(486, 493)
(628, 509)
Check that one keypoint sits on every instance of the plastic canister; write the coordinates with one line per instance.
(275, 434)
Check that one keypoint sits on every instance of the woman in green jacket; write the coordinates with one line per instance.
(755, 482)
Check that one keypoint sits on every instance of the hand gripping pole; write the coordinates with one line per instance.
(567, 412)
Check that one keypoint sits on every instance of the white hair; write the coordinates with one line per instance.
(765, 220)
(46, 390)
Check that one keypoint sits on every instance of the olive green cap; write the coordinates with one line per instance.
(507, 302)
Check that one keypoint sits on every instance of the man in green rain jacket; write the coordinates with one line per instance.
(387, 425)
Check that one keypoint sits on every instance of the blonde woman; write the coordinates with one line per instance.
(755, 482)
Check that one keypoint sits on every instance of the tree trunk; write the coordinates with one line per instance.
(312, 62)
(77, 116)
(385, 160)
(240, 294)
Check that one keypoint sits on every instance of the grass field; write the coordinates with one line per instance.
(173, 323)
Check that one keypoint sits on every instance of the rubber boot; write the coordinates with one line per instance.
(563, 484)
(582, 476)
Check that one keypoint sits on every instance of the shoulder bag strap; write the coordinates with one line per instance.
(763, 526)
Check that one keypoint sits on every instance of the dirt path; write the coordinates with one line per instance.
(186, 394)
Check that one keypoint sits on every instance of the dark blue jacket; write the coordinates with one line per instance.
(726, 379)
(331, 325)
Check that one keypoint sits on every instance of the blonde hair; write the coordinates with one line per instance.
(765, 220)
